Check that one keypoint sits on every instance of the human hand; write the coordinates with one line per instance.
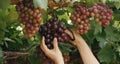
(77, 36)
(83, 48)
(55, 53)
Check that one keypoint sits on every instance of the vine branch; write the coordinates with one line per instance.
(14, 55)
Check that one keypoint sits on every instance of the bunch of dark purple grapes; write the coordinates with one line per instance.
(102, 14)
(29, 16)
(53, 28)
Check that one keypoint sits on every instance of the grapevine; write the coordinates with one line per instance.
(49, 18)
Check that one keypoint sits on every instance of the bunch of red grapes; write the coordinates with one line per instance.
(81, 18)
(29, 16)
(53, 28)
(101, 13)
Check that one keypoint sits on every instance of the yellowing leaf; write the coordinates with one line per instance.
(64, 16)
(117, 5)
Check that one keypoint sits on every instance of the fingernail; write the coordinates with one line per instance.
(43, 37)
(55, 38)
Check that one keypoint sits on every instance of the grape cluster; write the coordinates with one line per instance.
(81, 18)
(101, 13)
(53, 28)
(29, 16)
(66, 58)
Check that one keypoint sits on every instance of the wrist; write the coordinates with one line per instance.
(78, 42)
(59, 61)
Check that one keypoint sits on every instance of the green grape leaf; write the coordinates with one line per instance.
(102, 44)
(110, 34)
(2, 25)
(106, 54)
(117, 36)
(116, 14)
(116, 24)
(2, 35)
(3, 14)
(1, 42)
(41, 3)
(2, 29)
(4, 4)
(65, 47)
(34, 59)
(117, 5)
(64, 16)
(98, 29)
(1, 53)
(118, 49)
(16, 40)
(60, 12)
(13, 15)
(65, 22)
(91, 2)
(101, 39)
(71, 10)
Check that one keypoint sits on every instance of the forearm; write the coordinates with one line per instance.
(86, 53)
(62, 62)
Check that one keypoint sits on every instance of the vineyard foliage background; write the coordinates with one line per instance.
(104, 41)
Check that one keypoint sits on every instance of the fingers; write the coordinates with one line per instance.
(43, 45)
(45, 48)
(72, 35)
(55, 43)
(68, 32)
